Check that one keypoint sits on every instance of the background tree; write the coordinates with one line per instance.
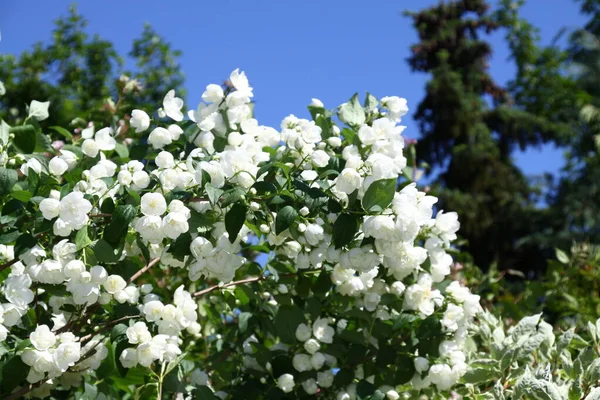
(82, 76)
(470, 126)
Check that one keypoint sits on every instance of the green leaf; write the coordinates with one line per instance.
(232, 196)
(234, 220)
(122, 150)
(21, 195)
(285, 217)
(24, 139)
(243, 320)
(364, 389)
(24, 243)
(379, 195)
(344, 229)
(213, 193)
(287, 320)
(181, 246)
(121, 218)
(104, 252)
(203, 393)
(8, 178)
(370, 102)
(481, 375)
(351, 112)
(14, 373)
(63, 132)
(430, 336)
(143, 248)
(82, 239)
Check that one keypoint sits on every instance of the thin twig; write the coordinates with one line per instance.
(8, 264)
(100, 215)
(107, 325)
(141, 271)
(235, 283)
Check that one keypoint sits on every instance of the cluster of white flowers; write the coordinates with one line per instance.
(170, 319)
(153, 227)
(52, 354)
(72, 212)
(218, 261)
(17, 292)
(397, 250)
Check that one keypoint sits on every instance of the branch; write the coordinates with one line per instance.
(107, 325)
(146, 268)
(235, 283)
(8, 264)
(240, 282)
(100, 215)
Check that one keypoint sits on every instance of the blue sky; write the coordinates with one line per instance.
(291, 50)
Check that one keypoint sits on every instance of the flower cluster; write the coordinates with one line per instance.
(51, 355)
(127, 237)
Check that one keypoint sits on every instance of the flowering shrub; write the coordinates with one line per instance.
(211, 256)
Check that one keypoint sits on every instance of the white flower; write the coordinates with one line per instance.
(50, 208)
(153, 204)
(286, 383)
(39, 110)
(452, 317)
(67, 354)
(421, 364)
(325, 378)
(448, 224)
(301, 362)
(74, 209)
(175, 131)
(316, 103)
(303, 332)
(322, 330)
(139, 120)
(319, 158)
(138, 333)
(31, 164)
(213, 94)
(164, 159)
(114, 283)
(172, 106)
(396, 105)
(421, 297)
(160, 137)
(240, 82)
(104, 139)
(317, 360)
(392, 395)
(314, 234)
(312, 346)
(153, 310)
(348, 181)
(42, 338)
(174, 224)
(310, 386)
(57, 166)
(90, 148)
(442, 376)
(128, 358)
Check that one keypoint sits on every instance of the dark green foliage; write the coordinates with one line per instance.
(470, 127)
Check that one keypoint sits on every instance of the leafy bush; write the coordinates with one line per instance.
(216, 255)
(218, 258)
